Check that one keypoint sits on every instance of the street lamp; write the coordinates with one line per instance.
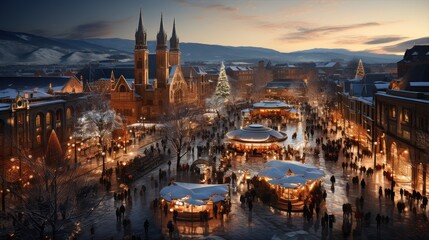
(103, 154)
(74, 145)
(374, 151)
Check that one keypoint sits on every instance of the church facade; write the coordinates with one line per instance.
(158, 83)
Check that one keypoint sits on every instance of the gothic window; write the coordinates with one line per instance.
(122, 88)
(69, 114)
(48, 120)
(38, 121)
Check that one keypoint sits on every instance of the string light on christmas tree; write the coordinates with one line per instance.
(360, 71)
(222, 88)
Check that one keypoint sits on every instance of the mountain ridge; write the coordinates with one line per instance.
(23, 48)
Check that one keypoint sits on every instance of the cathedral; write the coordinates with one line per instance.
(158, 82)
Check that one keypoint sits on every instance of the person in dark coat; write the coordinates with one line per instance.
(146, 226)
(170, 227)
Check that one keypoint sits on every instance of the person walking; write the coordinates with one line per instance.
(333, 179)
(146, 226)
(378, 219)
(170, 227)
(362, 184)
(380, 192)
(250, 205)
(122, 208)
(215, 209)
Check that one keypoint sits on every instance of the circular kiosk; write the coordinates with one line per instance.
(255, 138)
(273, 109)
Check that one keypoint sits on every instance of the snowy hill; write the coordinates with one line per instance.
(23, 48)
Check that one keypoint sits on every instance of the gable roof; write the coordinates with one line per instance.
(125, 82)
(10, 86)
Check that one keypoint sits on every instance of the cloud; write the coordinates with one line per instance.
(384, 39)
(304, 33)
(208, 6)
(90, 30)
(95, 29)
(368, 40)
(401, 47)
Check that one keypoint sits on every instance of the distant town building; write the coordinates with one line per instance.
(31, 107)
(290, 90)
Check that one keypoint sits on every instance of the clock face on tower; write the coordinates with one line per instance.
(19, 103)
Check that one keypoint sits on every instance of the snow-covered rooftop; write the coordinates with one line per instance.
(256, 133)
(195, 194)
(419, 84)
(290, 174)
(271, 104)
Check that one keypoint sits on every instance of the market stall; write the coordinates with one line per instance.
(291, 180)
(255, 138)
(195, 201)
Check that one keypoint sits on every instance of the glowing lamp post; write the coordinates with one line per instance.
(103, 154)
(374, 151)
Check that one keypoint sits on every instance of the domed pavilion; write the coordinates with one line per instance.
(255, 138)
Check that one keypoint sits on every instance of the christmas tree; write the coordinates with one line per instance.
(222, 88)
(360, 71)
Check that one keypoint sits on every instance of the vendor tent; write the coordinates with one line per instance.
(194, 193)
(273, 173)
(285, 172)
(292, 167)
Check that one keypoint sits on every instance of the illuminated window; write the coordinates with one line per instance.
(69, 113)
(406, 134)
(406, 116)
(48, 120)
(393, 112)
(38, 121)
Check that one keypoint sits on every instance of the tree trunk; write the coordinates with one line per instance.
(53, 230)
(178, 161)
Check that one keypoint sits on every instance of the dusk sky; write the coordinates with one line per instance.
(283, 25)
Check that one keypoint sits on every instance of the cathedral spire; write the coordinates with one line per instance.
(141, 42)
(161, 37)
(174, 40)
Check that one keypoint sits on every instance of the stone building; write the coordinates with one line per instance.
(402, 121)
(31, 107)
(158, 82)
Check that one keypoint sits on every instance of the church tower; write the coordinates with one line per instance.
(141, 59)
(161, 57)
(174, 55)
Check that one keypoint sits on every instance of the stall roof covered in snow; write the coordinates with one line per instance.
(290, 173)
(271, 104)
(195, 194)
(256, 133)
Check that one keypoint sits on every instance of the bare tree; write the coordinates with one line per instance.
(99, 121)
(54, 190)
(178, 130)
